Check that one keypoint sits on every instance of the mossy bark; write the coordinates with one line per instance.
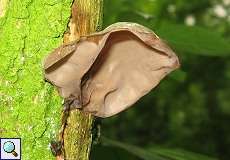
(29, 107)
(86, 18)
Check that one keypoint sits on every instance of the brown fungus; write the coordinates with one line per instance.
(110, 70)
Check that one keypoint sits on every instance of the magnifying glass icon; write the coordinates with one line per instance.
(9, 147)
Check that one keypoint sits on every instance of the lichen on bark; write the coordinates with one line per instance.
(86, 18)
(29, 107)
(3, 7)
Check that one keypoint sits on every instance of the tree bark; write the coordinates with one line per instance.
(30, 108)
(77, 138)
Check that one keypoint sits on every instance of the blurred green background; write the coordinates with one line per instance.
(187, 117)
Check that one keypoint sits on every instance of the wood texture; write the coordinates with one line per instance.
(30, 108)
(86, 18)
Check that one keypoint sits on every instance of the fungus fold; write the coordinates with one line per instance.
(108, 71)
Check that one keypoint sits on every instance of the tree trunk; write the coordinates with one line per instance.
(86, 18)
(30, 108)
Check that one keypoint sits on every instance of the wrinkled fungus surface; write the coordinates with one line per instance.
(109, 71)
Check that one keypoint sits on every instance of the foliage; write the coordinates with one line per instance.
(185, 116)
(154, 153)
(189, 110)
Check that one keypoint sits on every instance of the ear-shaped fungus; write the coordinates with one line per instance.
(110, 70)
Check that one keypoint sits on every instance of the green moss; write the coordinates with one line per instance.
(29, 107)
(3, 7)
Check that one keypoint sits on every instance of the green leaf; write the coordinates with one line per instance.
(156, 153)
(179, 154)
(194, 40)
(178, 75)
(139, 152)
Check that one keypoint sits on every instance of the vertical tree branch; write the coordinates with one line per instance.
(86, 18)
